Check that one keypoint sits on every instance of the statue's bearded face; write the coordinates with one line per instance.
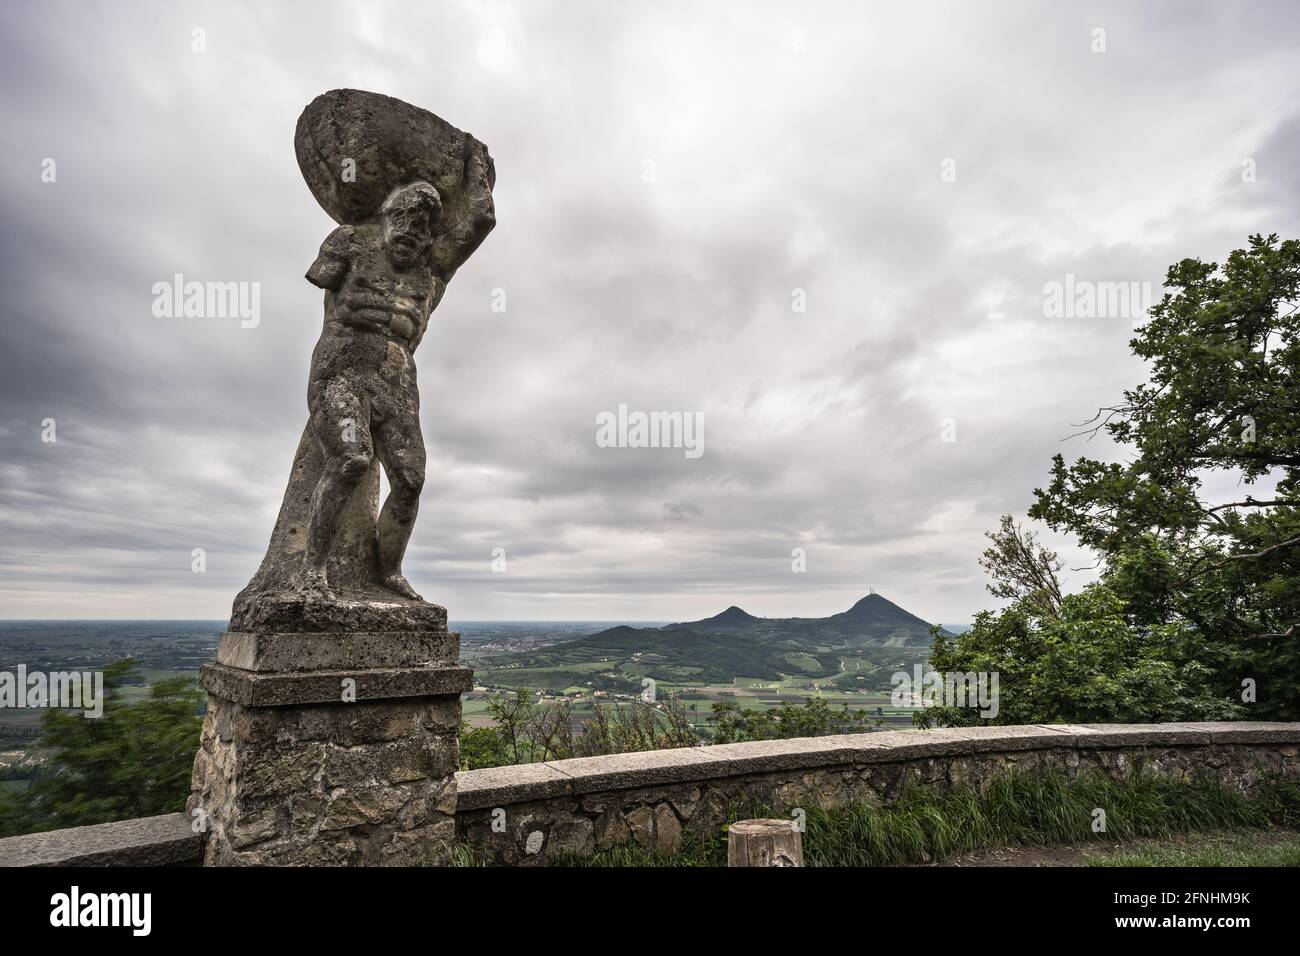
(408, 229)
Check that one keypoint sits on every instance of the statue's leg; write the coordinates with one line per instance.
(400, 448)
(340, 420)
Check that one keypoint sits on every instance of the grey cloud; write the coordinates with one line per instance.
(774, 170)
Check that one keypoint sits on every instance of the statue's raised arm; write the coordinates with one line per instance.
(466, 224)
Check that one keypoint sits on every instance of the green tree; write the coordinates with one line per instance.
(525, 731)
(635, 726)
(1203, 591)
(134, 761)
(1223, 402)
(1022, 569)
(1084, 663)
(482, 747)
(812, 718)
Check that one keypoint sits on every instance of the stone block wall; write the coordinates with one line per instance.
(524, 815)
(365, 783)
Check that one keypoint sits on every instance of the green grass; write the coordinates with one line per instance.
(463, 855)
(1236, 850)
(1017, 809)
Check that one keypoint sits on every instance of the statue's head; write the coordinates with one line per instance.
(410, 213)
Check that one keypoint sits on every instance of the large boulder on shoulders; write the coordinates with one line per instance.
(354, 147)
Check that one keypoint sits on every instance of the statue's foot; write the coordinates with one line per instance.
(314, 585)
(399, 585)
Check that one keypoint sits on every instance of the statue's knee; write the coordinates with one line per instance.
(352, 466)
(408, 481)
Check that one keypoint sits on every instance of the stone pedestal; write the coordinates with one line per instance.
(331, 747)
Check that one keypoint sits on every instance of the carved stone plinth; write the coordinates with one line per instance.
(330, 748)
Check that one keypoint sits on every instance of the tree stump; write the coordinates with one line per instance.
(764, 843)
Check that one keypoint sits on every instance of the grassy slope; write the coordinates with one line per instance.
(1231, 849)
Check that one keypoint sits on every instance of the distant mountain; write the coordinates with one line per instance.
(874, 609)
(848, 649)
(731, 617)
(872, 620)
(882, 618)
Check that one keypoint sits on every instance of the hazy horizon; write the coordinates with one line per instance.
(453, 619)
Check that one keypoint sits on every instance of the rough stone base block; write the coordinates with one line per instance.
(279, 652)
(366, 783)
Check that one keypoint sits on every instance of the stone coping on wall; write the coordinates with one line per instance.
(165, 840)
(169, 840)
(498, 786)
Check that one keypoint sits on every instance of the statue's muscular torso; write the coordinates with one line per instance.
(371, 307)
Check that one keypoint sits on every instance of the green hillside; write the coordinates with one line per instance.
(856, 649)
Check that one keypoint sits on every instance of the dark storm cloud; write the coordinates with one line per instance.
(668, 176)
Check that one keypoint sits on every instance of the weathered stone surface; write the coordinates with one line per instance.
(378, 722)
(906, 744)
(320, 687)
(255, 828)
(764, 756)
(1112, 735)
(1248, 731)
(641, 823)
(684, 800)
(496, 786)
(354, 806)
(612, 830)
(1005, 738)
(428, 845)
(411, 821)
(336, 650)
(390, 141)
(668, 830)
(276, 769)
(1070, 732)
(401, 761)
(572, 835)
(588, 774)
(652, 799)
(370, 609)
(327, 784)
(166, 840)
(414, 195)
(331, 733)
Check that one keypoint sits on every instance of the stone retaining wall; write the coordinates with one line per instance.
(524, 814)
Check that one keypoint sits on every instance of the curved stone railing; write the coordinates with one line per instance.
(524, 814)
(166, 840)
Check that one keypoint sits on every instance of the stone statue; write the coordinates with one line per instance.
(413, 196)
(331, 734)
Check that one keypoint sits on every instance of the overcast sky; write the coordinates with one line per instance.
(667, 175)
